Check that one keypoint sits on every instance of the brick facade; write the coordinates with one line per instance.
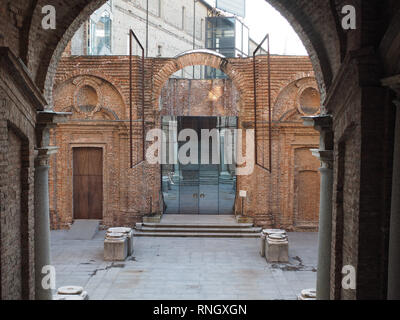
(348, 66)
(277, 199)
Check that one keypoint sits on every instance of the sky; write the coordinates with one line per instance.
(262, 18)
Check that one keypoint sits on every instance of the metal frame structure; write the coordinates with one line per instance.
(132, 36)
(262, 166)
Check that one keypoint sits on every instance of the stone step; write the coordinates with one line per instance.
(202, 230)
(203, 225)
(195, 235)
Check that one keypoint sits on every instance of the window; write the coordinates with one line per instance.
(310, 101)
(99, 31)
(159, 8)
(201, 29)
(228, 36)
(183, 17)
(100, 34)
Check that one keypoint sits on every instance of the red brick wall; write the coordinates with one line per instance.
(128, 192)
(200, 98)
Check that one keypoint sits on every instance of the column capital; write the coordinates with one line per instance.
(43, 155)
(325, 156)
(324, 124)
(321, 123)
(45, 120)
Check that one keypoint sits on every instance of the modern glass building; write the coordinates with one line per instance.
(100, 29)
(227, 36)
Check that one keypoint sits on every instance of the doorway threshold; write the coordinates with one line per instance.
(198, 219)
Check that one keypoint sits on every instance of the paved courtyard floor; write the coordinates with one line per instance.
(186, 269)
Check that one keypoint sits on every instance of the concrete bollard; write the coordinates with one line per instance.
(308, 294)
(128, 232)
(262, 244)
(115, 247)
(277, 248)
(71, 293)
(274, 231)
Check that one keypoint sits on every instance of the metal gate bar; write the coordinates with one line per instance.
(132, 36)
(262, 166)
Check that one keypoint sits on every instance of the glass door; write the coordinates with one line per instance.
(209, 189)
(227, 169)
(199, 188)
(209, 171)
(189, 183)
(170, 172)
(189, 189)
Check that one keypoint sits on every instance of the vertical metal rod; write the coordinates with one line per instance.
(255, 105)
(132, 34)
(130, 100)
(266, 38)
(147, 28)
(194, 31)
(143, 112)
(269, 106)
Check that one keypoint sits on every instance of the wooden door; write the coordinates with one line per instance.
(88, 183)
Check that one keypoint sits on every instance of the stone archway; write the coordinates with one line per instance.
(192, 58)
(358, 125)
(211, 196)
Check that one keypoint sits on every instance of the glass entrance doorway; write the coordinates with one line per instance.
(198, 188)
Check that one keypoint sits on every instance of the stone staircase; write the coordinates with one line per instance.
(207, 230)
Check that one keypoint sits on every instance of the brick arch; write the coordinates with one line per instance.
(279, 113)
(296, 77)
(115, 83)
(193, 58)
(319, 34)
(43, 61)
(111, 81)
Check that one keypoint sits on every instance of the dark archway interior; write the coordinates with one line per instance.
(358, 75)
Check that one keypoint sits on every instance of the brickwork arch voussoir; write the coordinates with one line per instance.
(194, 59)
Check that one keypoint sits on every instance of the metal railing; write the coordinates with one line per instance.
(262, 166)
(132, 36)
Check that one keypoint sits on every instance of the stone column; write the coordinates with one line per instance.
(323, 124)
(45, 121)
(325, 225)
(394, 240)
(42, 223)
